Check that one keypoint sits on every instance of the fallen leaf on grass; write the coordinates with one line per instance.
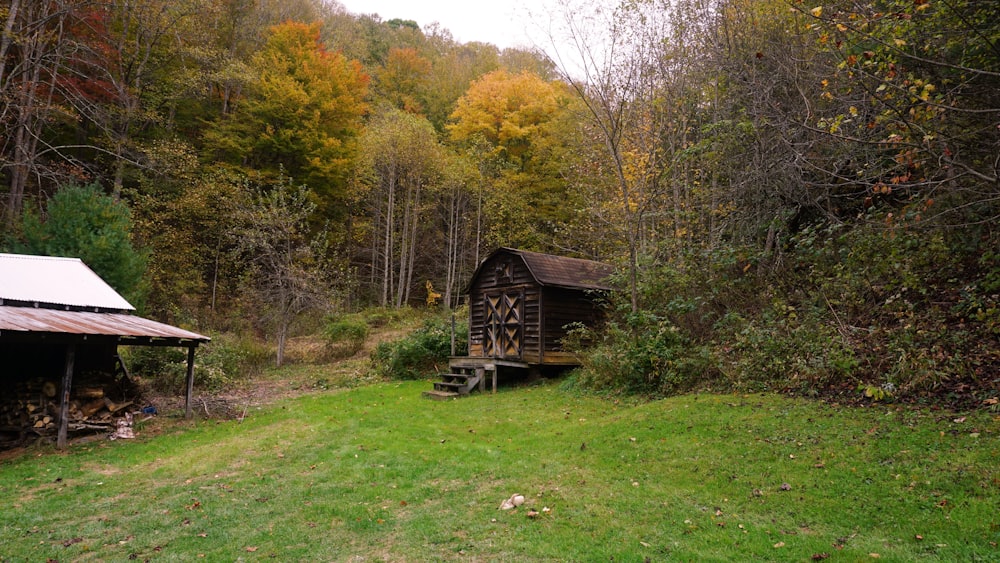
(71, 541)
(820, 556)
(532, 514)
(959, 420)
(779, 544)
(251, 549)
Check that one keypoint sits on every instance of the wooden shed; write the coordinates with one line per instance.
(60, 328)
(520, 304)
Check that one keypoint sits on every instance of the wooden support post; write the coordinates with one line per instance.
(495, 369)
(453, 334)
(481, 376)
(190, 381)
(67, 381)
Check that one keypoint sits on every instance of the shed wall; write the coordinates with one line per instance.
(505, 274)
(544, 315)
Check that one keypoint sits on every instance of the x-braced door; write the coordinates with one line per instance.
(504, 334)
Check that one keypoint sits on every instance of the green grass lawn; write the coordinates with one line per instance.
(379, 473)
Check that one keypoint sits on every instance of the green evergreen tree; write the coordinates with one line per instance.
(83, 222)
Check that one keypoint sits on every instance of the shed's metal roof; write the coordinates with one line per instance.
(53, 321)
(53, 281)
(562, 271)
(51, 295)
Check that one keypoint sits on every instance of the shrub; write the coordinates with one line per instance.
(645, 356)
(781, 351)
(379, 317)
(422, 352)
(224, 362)
(345, 336)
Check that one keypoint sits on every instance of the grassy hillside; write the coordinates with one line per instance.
(380, 473)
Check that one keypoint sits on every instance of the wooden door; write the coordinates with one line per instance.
(503, 335)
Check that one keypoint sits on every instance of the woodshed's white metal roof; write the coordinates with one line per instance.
(44, 295)
(48, 280)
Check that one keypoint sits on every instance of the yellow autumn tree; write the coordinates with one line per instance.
(512, 112)
(403, 79)
(517, 126)
(302, 115)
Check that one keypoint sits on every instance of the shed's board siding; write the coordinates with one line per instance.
(563, 307)
(494, 278)
(546, 310)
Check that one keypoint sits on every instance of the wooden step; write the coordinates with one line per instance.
(440, 395)
(467, 380)
(459, 376)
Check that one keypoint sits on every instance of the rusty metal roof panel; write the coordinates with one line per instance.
(562, 271)
(55, 281)
(54, 321)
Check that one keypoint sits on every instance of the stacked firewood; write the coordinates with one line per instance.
(29, 408)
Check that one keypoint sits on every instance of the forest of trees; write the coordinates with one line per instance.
(800, 195)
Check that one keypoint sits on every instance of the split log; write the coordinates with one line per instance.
(115, 407)
(90, 393)
(87, 410)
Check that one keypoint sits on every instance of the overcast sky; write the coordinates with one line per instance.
(504, 23)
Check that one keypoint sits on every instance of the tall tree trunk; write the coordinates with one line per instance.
(283, 323)
(404, 244)
(25, 133)
(38, 30)
(5, 39)
(388, 241)
(414, 225)
(452, 248)
(375, 241)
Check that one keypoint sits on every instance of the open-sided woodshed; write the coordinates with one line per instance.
(520, 304)
(60, 328)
